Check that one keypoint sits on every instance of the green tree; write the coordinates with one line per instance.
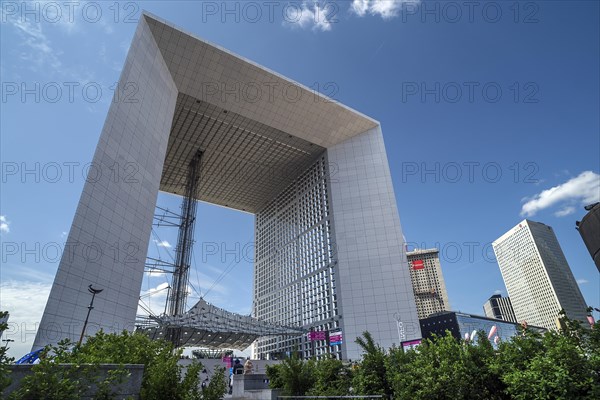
(217, 387)
(370, 377)
(51, 382)
(4, 359)
(555, 365)
(446, 368)
(591, 347)
(190, 385)
(162, 377)
(293, 376)
(331, 378)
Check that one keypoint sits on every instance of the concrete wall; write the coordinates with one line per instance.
(254, 386)
(108, 240)
(128, 389)
(374, 281)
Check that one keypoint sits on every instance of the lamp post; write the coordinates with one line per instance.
(7, 342)
(94, 292)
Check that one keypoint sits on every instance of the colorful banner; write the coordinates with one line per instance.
(411, 344)
(317, 335)
(418, 264)
(335, 338)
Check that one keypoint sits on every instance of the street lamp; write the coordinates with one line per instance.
(94, 292)
(7, 342)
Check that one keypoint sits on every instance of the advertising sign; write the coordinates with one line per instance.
(335, 338)
(410, 344)
(317, 335)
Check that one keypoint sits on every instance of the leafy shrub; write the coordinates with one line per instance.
(162, 377)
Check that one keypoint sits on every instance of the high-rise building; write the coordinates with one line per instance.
(313, 172)
(427, 282)
(537, 276)
(500, 308)
(589, 229)
(3, 320)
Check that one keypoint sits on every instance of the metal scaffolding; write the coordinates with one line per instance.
(204, 325)
(185, 241)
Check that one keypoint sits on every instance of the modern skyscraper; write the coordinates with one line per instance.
(427, 282)
(500, 308)
(537, 276)
(313, 172)
(589, 229)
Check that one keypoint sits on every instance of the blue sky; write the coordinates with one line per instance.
(484, 108)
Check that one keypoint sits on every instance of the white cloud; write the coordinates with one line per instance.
(565, 211)
(4, 224)
(310, 14)
(160, 287)
(386, 9)
(155, 273)
(582, 281)
(25, 301)
(37, 49)
(581, 190)
(40, 53)
(163, 243)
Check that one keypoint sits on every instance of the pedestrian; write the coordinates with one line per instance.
(248, 367)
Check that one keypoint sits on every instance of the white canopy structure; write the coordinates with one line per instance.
(206, 325)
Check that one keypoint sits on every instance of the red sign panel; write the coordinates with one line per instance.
(320, 335)
(418, 264)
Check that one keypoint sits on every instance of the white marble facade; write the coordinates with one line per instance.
(186, 100)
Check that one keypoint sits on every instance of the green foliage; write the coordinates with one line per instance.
(162, 377)
(190, 385)
(591, 347)
(557, 365)
(105, 388)
(49, 381)
(445, 368)
(4, 360)
(274, 375)
(217, 387)
(371, 376)
(331, 378)
(293, 376)
(296, 375)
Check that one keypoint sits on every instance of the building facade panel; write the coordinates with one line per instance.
(374, 281)
(106, 246)
(427, 282)
(537, 276)
(314, 173)
(500, 308)
(294, 279)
